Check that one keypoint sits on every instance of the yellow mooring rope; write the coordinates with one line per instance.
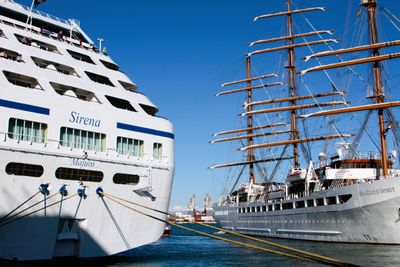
(309, 256)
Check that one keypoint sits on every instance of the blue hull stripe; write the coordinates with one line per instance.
(24, 107)
(134, 128)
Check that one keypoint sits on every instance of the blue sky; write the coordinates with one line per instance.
(179, 52)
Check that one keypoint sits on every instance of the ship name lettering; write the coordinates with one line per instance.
(77, 118)
(82, 163)
(377, 191)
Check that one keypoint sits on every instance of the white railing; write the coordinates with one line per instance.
(46, 15)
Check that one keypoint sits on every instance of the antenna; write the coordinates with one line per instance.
(101, 40)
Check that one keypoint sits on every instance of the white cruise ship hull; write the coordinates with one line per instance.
(77, 227)
(371, 215)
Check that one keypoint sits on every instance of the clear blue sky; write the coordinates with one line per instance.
(179, 52)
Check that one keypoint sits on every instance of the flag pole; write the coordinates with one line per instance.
(30, 14)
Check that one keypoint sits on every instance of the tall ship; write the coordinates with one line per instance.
(319, 144)
(74, 127)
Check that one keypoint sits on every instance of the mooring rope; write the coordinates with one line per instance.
(309, 255)
(206, 234)
(26, 215)
(31, 206)
(19, 206)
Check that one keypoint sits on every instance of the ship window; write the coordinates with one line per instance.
(253, 209)
(287, 206)
(79, 56)
(23, 130)
(45, 64)
(344, 198)
(131, 147)
(270, 208)
(300, 204)
(128, 86)
(79, 175)
(243, 210)
(99, 78)
(66, 90)
(109, 65)
(264, 208)
(239, 210)
(149, 109)
(258, 209)
(81, 139)
(120, 103)
(248, 209)
(128, 179)
(157, 151)
(310, 203)
(8, 54)
(23, 169)
(22, 80)
(36, 43)
(331, 200)
(277, 207)
(319, 201)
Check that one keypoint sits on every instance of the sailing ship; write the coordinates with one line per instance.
(347, 195)
(73, 128)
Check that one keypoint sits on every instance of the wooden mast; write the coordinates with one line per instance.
(379, 94)
(292, 89)
(250, 152)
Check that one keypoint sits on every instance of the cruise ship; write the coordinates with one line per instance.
(74, 126)
(308, 175)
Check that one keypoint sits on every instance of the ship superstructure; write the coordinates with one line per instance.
(74, 125)
(348, 196)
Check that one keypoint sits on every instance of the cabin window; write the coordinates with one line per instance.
(9, 54)
(287, 206)
(76, 138)
(270, 208)
(99, 78)
(70, 91)
(300, 204)
(128, 86)
(79, 175)
(152, 111)
(130, 147)
(128, 179)
(344, 198)
(157, 151)
(36, 43)
(248, 209)
(23, 169)
(81, 57)
(331, 200)
(45, 64)
(253, 209)
(319, 201)
(23, 130)
(310, 202)
(22, 80)
(120, 103)
(277, 207)
(110, 65)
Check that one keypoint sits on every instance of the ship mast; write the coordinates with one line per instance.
(250, 153)
(379, 94)
(292, 87)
